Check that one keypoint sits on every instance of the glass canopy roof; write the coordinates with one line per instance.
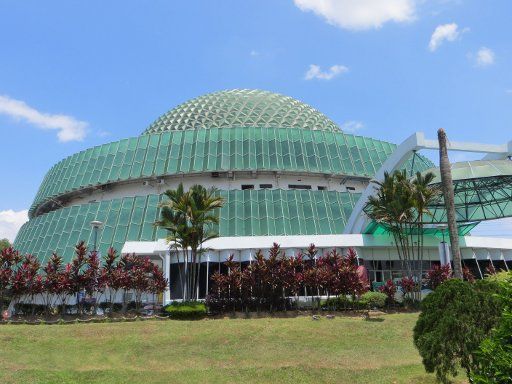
(483, 191)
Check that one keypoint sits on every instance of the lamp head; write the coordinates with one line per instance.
(96, 224)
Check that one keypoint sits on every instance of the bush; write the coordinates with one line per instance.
(373, 299)
(455, 318)
(494, 356)
(341, 303)
(188, 310)
(437, 275)
(27, 309)
(389, 289)
(105, 306)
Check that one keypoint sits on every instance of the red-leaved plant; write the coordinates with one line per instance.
(389, 289)
(437, 275)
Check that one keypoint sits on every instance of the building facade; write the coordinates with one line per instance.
(287, 173)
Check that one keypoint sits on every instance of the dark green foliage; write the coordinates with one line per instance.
(373, 299)
(106, 306)
(494, 357)
(29, 309)
(341, 303)
(188, 310)
(367, 300)
(4, 243)
(455, 318)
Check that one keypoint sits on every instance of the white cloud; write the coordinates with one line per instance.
(68, 128)
(352, 126)
(10, 223)
(484, 57)
(360, 14)
(254, 53)
(509, 91)
(315, 72)
(445, 32)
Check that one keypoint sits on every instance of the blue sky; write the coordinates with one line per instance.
(75, 74)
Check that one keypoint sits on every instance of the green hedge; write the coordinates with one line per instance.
(373, 299)
(191, 310)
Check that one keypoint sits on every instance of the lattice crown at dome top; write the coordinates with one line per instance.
(242, 108)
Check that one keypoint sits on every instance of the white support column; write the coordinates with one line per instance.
(478, 265)
(502, 254)
(207, 271)
(489, 257)
(167, 275)
(444, 253)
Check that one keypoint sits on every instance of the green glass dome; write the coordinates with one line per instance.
(253, 133)
(242, 108)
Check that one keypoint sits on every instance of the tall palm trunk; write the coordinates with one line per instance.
(449, 201)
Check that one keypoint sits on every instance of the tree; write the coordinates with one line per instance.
(309, 275)
(4, 243)
(189, 217)
(158, 284)
(494, 356)
(437, 275)
(401, 205)
(139, 278)
(455, 318)
(53, 282)
(76, 274)
(25, 280)
(268, 281)
(449, 201)
(93, 282)
(389, 289)
(423, 195)
(9, 259)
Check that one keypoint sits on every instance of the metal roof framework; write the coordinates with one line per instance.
(483, 191)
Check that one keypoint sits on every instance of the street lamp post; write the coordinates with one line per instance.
(445, 258)
(96, 225)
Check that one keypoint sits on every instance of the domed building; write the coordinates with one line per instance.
(287, 174)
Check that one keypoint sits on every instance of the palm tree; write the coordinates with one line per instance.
(173, 219)
(190, 219)
(401, 205)
(393, 206)
(424, 195)
(449, 201)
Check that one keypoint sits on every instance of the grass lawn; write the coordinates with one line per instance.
(298, 350)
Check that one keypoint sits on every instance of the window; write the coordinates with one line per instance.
(247, 186)
(322, 188)
(265, 186)
(351, 189)
(296, 186)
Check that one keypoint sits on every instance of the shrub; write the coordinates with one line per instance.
(28, 309)
(389, 289)
(105, 306)
(455, 318)
(268, 282)
(188, 310)
(407, 284)
(494, 356)
(373, 299)
(342, 303)
(437, 275)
